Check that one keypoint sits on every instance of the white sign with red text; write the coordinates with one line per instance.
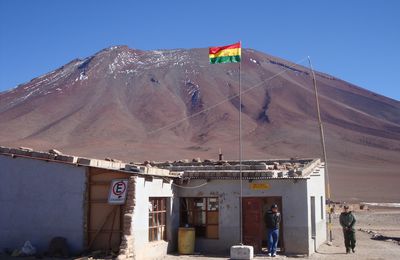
(118, 190)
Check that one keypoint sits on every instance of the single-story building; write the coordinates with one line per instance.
(49, 194)
(209, 197)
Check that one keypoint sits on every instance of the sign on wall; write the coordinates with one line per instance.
(259, 186)
(118, 190)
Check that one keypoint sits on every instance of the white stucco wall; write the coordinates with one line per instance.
(140, 221)
(294, 211)
(40, 200)
(316, 188)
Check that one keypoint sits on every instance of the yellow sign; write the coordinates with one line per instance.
(259, 186)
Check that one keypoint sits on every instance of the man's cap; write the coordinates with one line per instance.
(346, 207)
(274, 206)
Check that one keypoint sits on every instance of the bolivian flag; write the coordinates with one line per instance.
(225, 54)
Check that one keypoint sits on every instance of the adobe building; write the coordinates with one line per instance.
(209, 199)
(50, 194)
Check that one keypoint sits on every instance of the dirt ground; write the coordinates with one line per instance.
(384, 221)
(378, 221)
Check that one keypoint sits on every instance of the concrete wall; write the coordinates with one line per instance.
(40, 200)
(294, 211)
(143, 249)
(316, 188)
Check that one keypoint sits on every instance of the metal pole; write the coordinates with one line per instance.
(240, 148)
(321, 129)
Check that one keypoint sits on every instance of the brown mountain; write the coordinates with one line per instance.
(171, 104)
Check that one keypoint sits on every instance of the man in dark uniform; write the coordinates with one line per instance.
(347, 221)
(272, 220)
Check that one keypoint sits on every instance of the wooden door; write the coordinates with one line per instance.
(252, 223)
(104, 221)
(254, 230)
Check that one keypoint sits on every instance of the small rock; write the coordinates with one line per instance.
(108, 159)
(58, 247)
(97, 253)
(269, 174)
(26, 149)
(291, 173)
(54, 151)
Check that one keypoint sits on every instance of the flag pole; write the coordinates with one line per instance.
(240, 147)
(321, 130)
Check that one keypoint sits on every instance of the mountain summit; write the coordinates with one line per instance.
(172, 104)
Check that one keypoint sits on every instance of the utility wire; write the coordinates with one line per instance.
(225, 100)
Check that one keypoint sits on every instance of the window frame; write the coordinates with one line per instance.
(194, 213)
(157, 222)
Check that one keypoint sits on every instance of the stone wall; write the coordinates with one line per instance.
(127, 242)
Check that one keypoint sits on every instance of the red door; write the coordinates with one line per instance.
(254, 230)
(252, 223)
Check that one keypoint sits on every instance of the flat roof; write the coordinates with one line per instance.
(108, 163)
(251, 169)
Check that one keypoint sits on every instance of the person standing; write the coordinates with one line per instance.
(272, 220)
(347, 221)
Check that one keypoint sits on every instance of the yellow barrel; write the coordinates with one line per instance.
(186, 237)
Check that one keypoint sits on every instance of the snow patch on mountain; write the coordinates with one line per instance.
(123, 59)
(44, 85)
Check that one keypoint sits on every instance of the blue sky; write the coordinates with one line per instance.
(358, 41)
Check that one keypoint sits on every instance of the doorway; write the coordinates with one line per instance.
(254, 230)
(104, 222)
(313, 223)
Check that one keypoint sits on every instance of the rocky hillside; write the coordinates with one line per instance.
(171, 104)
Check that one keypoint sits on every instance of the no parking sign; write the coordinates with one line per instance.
(118, 190)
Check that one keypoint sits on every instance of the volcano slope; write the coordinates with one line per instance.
(171, 104)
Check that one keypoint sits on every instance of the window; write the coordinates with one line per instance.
(322, 207)
(157, 219)
(202, 214)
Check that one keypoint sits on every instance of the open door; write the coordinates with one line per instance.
(254, 230)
